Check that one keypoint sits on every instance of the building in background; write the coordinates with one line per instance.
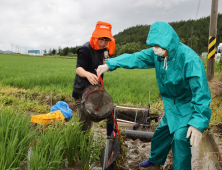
(33, 52)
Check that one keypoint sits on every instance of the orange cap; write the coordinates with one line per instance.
(103, 29)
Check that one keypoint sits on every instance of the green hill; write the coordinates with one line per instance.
(200, 36)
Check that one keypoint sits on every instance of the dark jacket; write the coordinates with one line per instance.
(89, 59)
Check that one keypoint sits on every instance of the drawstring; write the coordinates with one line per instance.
(165, 63)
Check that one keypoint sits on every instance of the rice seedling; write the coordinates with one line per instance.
(57, 75)
(48, 149)
(72, 137)
(59, 142)
(132, 86)
(30, 72)
(15, 136)
(90, 149)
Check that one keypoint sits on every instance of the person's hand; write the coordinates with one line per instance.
(106, 56)
(104, 60)
(196, 135)
(92, 78)
(102, 69)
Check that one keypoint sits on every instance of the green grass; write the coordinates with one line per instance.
(57, 75)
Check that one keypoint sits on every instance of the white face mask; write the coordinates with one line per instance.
(158, 51)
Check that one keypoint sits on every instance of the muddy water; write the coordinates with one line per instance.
(203, 157)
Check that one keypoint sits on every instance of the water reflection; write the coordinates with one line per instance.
(203, 157)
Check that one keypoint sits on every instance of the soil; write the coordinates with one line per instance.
(138, 151)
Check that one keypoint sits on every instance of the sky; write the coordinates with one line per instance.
(44, 24)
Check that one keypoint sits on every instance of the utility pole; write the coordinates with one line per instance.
(212, 40)
(191, 36)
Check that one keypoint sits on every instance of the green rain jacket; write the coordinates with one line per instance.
(182, 80)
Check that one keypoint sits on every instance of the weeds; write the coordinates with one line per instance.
(122, 156)
(102, 124)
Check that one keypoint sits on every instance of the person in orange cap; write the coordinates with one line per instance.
(90, 56)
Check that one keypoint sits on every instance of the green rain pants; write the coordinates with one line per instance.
(163, 141)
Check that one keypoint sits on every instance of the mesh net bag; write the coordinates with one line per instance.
(97, 103)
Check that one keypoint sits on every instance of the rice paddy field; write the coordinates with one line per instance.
(26, 86)
(130, 87)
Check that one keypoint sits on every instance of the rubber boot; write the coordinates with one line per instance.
(109, 128)
(146, 163)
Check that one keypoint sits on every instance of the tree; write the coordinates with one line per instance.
(45, 52)
(65, 51)
(183, 29)
(50, 52)
(53, 51)
(127, 48)
(195, 41)
(182, 40)
(59, 50)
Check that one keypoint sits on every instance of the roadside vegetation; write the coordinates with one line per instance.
(216, 98)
